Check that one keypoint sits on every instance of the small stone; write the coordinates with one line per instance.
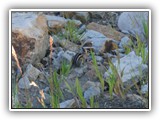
(31, 72)
(96, 38)
(46, 89)
(99, 58)
(67, 103)
(24, 83)
(47, 98)
(90, 92)
(125, 42)
(82, 16)
(144, 89)
(68, 55)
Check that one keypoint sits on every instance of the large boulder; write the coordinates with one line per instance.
(132, 22)
(29, 36)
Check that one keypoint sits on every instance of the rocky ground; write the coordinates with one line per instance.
(97, 60)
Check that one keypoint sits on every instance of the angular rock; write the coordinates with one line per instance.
(144, 89)
(29, 36)
(67, 103)
(99, 59)
(132, 22)
(24, 83)
(89, 84)
(108, 31)
(125, 42)
(132, 64)
(68, 55)
(55, 23)
(97, 14)
(82, 16)
(96, 38)
(31, 72)
(90, 92)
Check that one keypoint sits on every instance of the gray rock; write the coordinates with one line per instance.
(97, 14)
(132, 22)
(77, 22)
(67, 103)
(144, 89)
(82, 29)
(99, 58)
(82, 16)
(47, 98)
(29, 36)
(89, 84)
(96, 38)
(24, 83)
(125, 42)
(31, 72)
(56, 18)
(132, 64)
(68, 55)
(90, 92)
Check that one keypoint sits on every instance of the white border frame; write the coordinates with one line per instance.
(146, 10)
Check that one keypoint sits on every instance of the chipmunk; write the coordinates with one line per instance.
(82, 55)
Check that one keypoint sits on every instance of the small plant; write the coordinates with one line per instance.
(115, 82)
(146, 29)
(71, 32)
(80, 94)
(99, 75)
(93, 104)
(141, 50)
(65, 68)
(55, 91)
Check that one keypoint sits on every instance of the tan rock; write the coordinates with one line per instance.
(29, 36)
(108, 31)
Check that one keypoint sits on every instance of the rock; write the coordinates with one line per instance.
(24, 83)
(55, 23)
(76, 22)
(90, 92)
(136, 99)
(29, 36)
(89, 84)
(96, 38)
(66, 44)
(144, 89)
(131, 22)
(99, 59)
(125, 42)
(67, 103)
(132, 64)
(108, 31)
(67, 14)
(47, 98)
(68, 55)
(97, 14)
(82, 29)
(82, 16)
(31, 72)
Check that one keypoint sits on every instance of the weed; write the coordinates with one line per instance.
(55, 91)
(80, 94)
(93, 104)
(99, 75)
(71, 32)
(114, 81)
(65, 68)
